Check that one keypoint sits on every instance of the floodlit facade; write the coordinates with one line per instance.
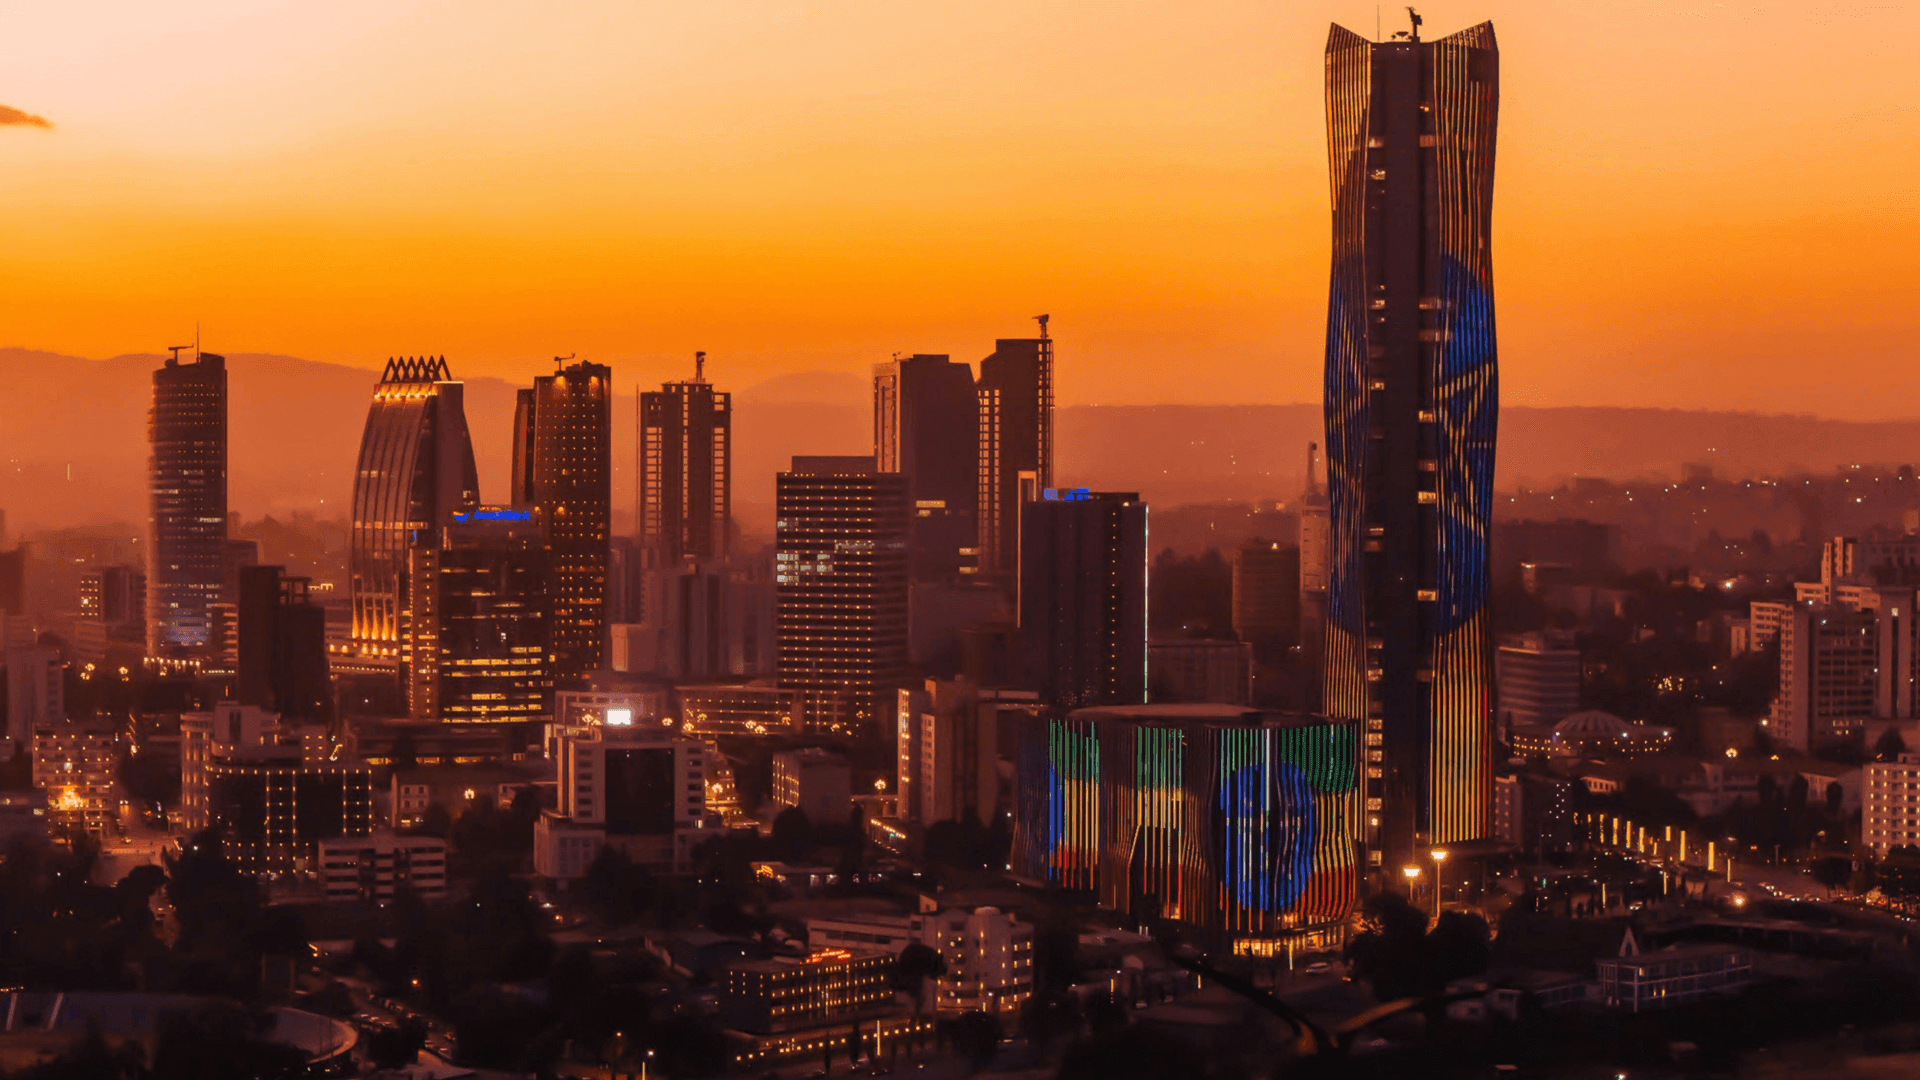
(415, 470)
(481, 647)
(1411, 409)
(1239, 821)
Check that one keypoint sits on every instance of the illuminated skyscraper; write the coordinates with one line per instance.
(186, 560)
(480, 624)
(563, 466)
(925, 427)
(1411, 406)
(416, 468)
(686, 469)
(1015, 443)
(840, 590)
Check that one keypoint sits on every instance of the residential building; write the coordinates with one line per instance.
(1890, 804)
(792, 993)
(415, 470)
(840, 587)
(926, 422)
(1829, 657)
(1533, 813)
(563, 467)
(273, 791)
(187, 482)
(73, 764)
(375, 867)
(1083, 597)
(817, 782)
(1200, 670)
(1673, 977)
(686, 470)
(1411, 415)
(1763, 622)
(988, 954)
(1015, 441)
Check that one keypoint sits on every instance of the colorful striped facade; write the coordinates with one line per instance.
(1239, 821)
(1411, 411)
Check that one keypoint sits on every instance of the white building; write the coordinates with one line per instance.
(988, 953)
(638, 787)
(946, 746)
(1890, 804)
(817, 781)
(372, 867)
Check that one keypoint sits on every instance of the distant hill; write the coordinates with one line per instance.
(73, 440)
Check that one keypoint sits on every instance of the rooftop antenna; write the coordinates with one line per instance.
(196, 341)
(560, 362)
(700, 366)
(1415, 17)
(176, 350)
(1042, 320)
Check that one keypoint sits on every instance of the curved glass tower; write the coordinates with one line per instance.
(416, 468)
(1411, 406)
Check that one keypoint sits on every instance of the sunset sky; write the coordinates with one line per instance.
(1698, 204)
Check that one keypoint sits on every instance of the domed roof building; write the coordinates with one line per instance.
(1592, 734)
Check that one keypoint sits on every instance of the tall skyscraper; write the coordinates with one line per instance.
(1015, 441)
(480, 621)
(563, 466)
(187, 479)
(840, 590)
(281, 647)
(686, 469)
(1083, 597)
(926, 422)
(1411, 407)
(416, 469)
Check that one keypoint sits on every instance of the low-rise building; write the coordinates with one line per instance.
(1890, 804)
(988, 953)
(373, 867)
(826, 986)
(755, 708)
(639, 787)
(73, 764)
(274, 792)
(818, 782)
(1671, 977)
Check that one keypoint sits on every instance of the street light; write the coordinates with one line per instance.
(1439, 863)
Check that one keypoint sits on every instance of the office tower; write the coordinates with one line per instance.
(1238, 821)
(840, 590)
(281, 660)
(1266, 598)
(1213, 670)
(926, 421)
(1411, 405)
(563, 466)
(416, 468)
(1015, 441)
(686, 469)
(1315, 525)
(1083, 597)
(704, 620)
(637, 788)
(187, 479)
(1536, 679)
(480, 647)
(274, 792)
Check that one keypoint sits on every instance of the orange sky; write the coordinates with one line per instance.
(1698, 204)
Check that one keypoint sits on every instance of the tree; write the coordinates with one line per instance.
(1832, 871)
(792, 835)
(1889, 746)
(1458, 946)
(397, 1047)
(221, 1040)
(1390, 952)
(916, 964)
(976, 1036)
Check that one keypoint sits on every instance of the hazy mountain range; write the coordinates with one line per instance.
(73, 440)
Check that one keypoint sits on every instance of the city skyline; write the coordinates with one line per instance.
(1167, 208)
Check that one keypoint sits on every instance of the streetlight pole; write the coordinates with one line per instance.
(1439, 864)
(1413, 881)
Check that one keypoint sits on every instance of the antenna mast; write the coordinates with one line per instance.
(700, 366)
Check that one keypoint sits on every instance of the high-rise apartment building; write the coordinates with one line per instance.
(281, 646)
(686, 469)
(415, 469)
(1829, 675)
(840, 590)
(1083, 597)
(1015, 443)
(1411, 406)
(1890, 804)
(480, 650)
(274, 792)
(563, 466)
(926, 422)
(187, 481)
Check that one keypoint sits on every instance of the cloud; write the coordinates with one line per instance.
(12, 117)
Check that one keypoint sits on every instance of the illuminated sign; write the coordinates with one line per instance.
(492, 514)
(619, 717)
(1066, 495)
